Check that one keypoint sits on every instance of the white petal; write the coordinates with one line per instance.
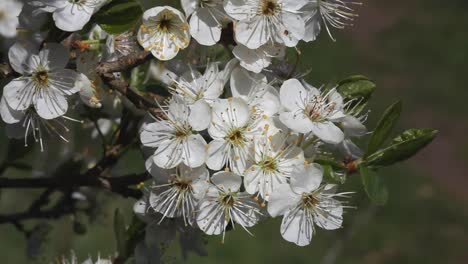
(297, 228)
(200, 115)
(154, 134)
(194, 151)
(210, 220)
(227, 181)
(54, 55)
(50, 103)
(294, 29)
(306, 179)
(293, 94)
(87, 93)
(238, 9)
(298, 122)
(168, 155)
(242, 82)
(281, 200)
(252, 60)
(328, 132)
(233, 112)
(353, 127)
(204, 27)
(269, 102)
(331, 219)
(313, 27)
(217, 154)
(64, 80)
(252, 33)
(9, 115)
(189, 6)
(19, 93)
(18, 55)
(70, 18)
(293, 5)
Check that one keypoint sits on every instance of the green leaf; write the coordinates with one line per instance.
(403, 147)
(356, 87)
(331, 177)
(120, 233)
(374, 186)
(119, 16)
(384, 128)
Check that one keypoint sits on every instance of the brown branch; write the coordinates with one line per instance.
(124, 63)
(124, 88)
(119, 185)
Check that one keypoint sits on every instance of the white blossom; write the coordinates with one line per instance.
(307, 109)
(175, 136)
(255, 90)
(45, 82)
(70, 15)
(74, 260)
(22, 123)
(194, 86)
(120, 45)
(306, 203)
(353, 126)
(9, 11)
(178, 194)
(267, 21)
(88, 81)
(224, 204)
(275, 160)
(206, 20)
(334, 13)
(255, 60)
(164, 32)
(233, 128)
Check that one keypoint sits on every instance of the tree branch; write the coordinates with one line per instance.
(124, 63)
(118, 185)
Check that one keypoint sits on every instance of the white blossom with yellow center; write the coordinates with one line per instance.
(164, 32)
(267, 21)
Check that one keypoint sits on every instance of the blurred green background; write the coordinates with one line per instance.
(416, 51)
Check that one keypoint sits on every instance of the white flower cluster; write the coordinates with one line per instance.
(74, 260)
(250, 142)
(235, 143)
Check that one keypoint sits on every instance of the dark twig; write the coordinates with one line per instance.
(124, 63)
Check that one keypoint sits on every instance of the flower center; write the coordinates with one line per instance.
(269, 7)
(309, 201)
(228, 200)
(209, 3)
(182, 131)
(41, 78)
(269, 164)
(318, 109)
(182, 186)
(236, 137)
(78, 2)
(165, 23)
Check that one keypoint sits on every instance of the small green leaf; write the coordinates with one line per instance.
(330, 176)
(356, 87)
(332, 163)
(375, 187)
(119, 16)
(403, 147)
(384, 128)
(120, 233)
